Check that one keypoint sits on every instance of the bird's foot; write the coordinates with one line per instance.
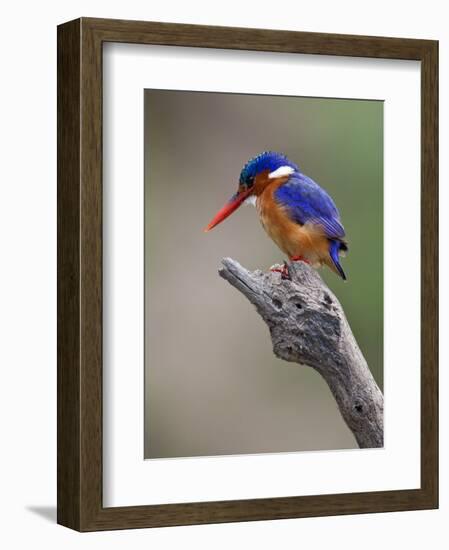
(299, 259)
(282, 269)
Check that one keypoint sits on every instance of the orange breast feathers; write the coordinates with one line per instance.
(293, 239)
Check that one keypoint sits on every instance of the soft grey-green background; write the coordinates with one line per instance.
(212, 383)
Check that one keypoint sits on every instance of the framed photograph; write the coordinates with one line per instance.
(179, 402)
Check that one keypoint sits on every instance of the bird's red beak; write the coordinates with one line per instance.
(228, 208)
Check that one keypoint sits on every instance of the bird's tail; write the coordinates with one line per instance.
(334, 252)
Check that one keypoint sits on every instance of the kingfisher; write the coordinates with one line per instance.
(296, 213)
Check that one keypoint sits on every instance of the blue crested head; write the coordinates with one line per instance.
(268, 160)
(276, 165)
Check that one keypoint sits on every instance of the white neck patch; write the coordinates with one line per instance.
(281, 171)
(251, 200)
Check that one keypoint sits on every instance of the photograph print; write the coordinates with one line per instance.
(263, 274)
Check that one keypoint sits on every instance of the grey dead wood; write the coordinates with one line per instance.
(308, 326)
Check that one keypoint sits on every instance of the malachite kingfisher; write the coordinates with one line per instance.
(296, 212)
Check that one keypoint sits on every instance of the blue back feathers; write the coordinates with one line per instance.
(268, 160)
(307, 202)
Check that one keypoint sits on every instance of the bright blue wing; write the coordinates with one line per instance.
(307, 202)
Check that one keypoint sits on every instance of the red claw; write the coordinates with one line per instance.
(299, 259)
(282, 270)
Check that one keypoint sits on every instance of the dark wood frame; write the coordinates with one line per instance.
(80, 274)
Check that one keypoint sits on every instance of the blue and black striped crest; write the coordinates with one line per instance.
(268, 160)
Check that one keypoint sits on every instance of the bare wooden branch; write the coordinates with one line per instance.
(308, 326)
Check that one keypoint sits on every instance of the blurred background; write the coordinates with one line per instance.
(212, 383)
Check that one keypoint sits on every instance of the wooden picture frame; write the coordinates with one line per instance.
(80, 503)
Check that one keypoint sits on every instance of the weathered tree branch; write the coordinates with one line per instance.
(308, 326)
